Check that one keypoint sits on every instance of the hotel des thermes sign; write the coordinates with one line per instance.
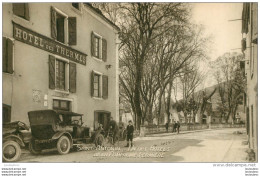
(37, 40)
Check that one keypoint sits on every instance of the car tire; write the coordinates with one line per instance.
(63, 145)
(11, 151)
(99, 141)
(32, 148)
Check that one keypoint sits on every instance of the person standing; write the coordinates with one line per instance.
(174, 126)
(178, 127)
(129, 133)
(167, 126)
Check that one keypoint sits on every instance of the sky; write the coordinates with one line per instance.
(226, 35)
(215, 17)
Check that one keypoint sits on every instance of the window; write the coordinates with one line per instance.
(61, 105)
(98, 47)
(6, 113)
(63, 27)
(7, 55)
(96, 85)
(62, 74)
(60, 20)
(21, 10)
(99, 85)
(75, 5)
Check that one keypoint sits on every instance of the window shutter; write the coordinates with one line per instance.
(51, 72)
(53, 23)
(4, 52)
(6, 113)
(18, 9)
(72, 77)
(104, 50)
(10, 56)
(26, 11)
(105, 86)
(60, 29)
(243, 44)
(92, 83)
(72, 30)
(245, 17)
(92, 44)
(7, 55)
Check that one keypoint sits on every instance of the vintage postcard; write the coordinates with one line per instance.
(125, 82)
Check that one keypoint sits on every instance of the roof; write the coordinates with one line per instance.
(99, 13)
(57, 112)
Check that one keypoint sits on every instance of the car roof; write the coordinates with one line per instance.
(58, 112)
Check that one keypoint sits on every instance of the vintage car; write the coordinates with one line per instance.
(59, 129)
(16, 135)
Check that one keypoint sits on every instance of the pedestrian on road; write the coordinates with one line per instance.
(129, 133)
(173, 127)
(178, 126)
(167, 126)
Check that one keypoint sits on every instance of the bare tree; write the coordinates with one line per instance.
(189, 81)
(231, 83)
(157, 41)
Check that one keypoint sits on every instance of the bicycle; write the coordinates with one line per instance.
(110, 138)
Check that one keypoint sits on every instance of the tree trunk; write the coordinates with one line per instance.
(169, 101)
(234, 112)
(228, 115)
(193, 117)
(199, 116)
(159, 107)
(150, 114)
(204, 104)
(185, 117)
(137, 100)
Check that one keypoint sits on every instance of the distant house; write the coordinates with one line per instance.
(214, 103)
(212, 113)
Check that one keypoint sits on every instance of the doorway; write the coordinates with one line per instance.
(101, 117)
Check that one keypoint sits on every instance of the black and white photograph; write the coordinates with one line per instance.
(129, 82)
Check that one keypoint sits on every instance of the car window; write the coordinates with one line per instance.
(76, 119)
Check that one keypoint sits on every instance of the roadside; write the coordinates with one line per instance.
(221, 145)
(181, 132)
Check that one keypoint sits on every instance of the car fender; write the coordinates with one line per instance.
(14, 138)
(61, 133)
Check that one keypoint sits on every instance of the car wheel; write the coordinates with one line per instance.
(11, 151)
(99, 140)
(33, 148)
(63, 145)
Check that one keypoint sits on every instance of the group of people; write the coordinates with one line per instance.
(113, 131)
(175, 128)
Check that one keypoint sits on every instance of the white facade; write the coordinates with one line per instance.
(27, 88)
